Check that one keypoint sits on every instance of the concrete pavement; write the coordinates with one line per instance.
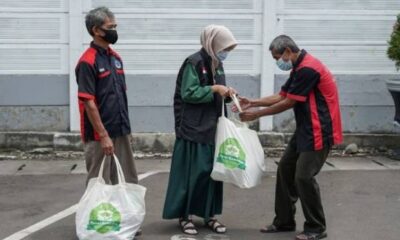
(164, 142)
(49, 167)
(361, 198)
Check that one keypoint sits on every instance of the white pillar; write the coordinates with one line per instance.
(76, 27)
(268, 63)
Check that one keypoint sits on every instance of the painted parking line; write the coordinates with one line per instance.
(207, 237)
(61, 215)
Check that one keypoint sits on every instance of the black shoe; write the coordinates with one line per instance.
(274, 229)
(311, 236)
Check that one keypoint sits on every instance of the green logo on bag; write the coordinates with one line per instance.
(104, 218)
(231, 154)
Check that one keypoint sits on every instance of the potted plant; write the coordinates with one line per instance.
(393, 85)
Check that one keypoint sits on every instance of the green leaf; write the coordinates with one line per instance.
(393, 50)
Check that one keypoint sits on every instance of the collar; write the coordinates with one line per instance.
(207, 57)
(101, 50)
(300, 58)
(204, 54)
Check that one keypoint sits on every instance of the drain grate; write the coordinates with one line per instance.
(329, 164)
(73, 167)
(21, 167)
(379, 163)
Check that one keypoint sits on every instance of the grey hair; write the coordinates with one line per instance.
(281, 43)
(96, 18)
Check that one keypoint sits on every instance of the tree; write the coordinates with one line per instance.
(393, 51)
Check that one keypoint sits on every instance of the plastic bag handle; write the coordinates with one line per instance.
(120, 173)
(236, 102)
(223, 107)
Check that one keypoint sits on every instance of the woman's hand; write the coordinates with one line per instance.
(222, 90)
(232, 92)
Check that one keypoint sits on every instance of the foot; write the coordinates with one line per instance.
(274, 229)
(311, 236)
(216, 226)
(138, 233)
(188, 227)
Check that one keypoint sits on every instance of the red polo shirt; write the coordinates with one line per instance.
(100, 77)
(317, 111)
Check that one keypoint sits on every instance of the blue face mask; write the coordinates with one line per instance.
(222, 55)
(285, 66)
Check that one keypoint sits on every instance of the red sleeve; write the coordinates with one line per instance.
(86, 78)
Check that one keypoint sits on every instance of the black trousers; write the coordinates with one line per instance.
(296, 179)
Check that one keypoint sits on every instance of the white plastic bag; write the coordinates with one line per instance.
(110, 211)
(239, 156)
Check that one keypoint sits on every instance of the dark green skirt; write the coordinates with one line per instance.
(191, 191)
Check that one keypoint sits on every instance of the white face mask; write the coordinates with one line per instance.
(285, 66)
(222, 55)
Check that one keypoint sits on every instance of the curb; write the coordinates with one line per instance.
(163, 142)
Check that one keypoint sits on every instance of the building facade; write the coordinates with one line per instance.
(41, 41)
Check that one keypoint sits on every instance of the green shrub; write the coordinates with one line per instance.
(393, 51)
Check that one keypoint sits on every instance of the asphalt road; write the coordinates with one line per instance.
(360, 204)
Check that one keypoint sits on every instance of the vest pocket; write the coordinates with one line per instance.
(104, 74)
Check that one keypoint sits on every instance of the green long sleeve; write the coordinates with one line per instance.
(191, 90)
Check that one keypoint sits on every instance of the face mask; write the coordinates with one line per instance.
(111, 36)
(222, 55)
(285, 66)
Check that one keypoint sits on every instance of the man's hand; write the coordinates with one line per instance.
(107, 145)
(248, 116)
(245, 104)
(94, 117)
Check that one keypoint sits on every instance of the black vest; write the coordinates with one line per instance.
(198, 122)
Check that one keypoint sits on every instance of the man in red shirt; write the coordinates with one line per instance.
(312, 93)
(105, 125)
(103, 102)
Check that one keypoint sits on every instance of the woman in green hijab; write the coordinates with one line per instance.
(200, 89)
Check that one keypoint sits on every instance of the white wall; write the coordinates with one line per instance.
(350, 36)
(34, 37)
(48, 36)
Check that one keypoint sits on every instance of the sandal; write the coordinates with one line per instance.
(138, 232)
(188, 227)
(311, 236)
(274, 229)
(216, 226)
